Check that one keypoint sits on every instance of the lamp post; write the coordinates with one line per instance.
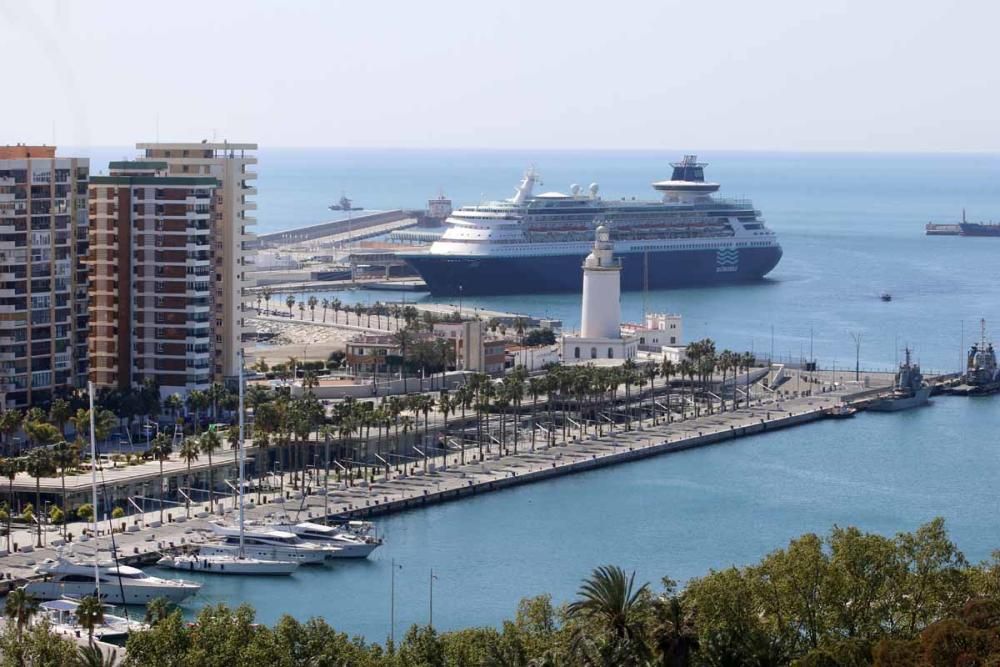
(430, 622)
(392, 603)
(856, 335)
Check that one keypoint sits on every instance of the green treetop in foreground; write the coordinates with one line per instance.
(845, 600)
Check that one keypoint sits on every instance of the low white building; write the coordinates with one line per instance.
(658, 330)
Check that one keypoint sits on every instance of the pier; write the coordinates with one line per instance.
(141, 538)
(354, 228)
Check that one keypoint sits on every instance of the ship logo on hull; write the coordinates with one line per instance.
(727, 260)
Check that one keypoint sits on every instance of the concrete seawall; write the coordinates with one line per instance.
(627, 454)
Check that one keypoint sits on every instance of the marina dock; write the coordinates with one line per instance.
(140, 539)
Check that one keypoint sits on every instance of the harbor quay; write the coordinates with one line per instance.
(143, 538)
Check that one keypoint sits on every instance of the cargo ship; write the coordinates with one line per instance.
(537, 242)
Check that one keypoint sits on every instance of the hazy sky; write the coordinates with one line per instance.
(770, 74)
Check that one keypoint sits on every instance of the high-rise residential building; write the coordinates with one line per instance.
(151, 278)
(43, 282)
(232, 242)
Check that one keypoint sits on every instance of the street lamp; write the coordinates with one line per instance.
(856, 335)
(392, 603)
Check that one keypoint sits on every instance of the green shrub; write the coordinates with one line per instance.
(117, 513)
(56, 515)
(85, 512)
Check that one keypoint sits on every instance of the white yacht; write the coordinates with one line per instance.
(235, 562)
(349, 545)
(266, 544)
(116, 583)
(63, 618)
(227, 563)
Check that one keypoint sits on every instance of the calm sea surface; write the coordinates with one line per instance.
(851, 227)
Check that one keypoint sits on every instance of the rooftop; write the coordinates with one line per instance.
(25, 151)
(197, 145)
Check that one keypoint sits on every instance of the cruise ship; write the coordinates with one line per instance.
(537, 242)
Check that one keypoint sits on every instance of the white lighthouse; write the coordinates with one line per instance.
(600, 317)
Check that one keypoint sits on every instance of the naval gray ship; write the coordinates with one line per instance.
(908, 391)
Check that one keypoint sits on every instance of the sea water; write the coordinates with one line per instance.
(851, 226)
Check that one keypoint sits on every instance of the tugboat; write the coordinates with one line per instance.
(909, 390)
(841, 411)
(982, 376)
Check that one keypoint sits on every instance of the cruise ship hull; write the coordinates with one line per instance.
(470, 275)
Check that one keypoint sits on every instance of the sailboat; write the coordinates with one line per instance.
(112, 582)
(227, 562)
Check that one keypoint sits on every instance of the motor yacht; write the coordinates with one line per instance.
(349, 544)
(267, 544)
(115, 583)
(62, 615)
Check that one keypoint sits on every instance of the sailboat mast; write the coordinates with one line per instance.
(242, 455)
(93, 483)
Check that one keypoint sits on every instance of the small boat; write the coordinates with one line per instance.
(908, 390)
(227, 564)
(841, 411)
(62, 615)
(885, 296)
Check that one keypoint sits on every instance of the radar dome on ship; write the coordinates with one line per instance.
(593, 189)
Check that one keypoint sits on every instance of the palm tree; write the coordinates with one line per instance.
(748, 362)
(359, 310)
(446, 404)
(267, 298)
(312, 306)
(628, 376)
(197, 400)
(64, 456)
(90, 614)
(189, 452)
(9, 467)
(667, 369)
(208, 443)
(302, 310)
(651, 372)
(38, 463)
(535, 388)
(335, 305)
(19, 607)
(10, 422)
(610, 599)
(159, 450)
(673, 630)
(158, 609)
(326, 306)
(92, 656)
(60, 413)
(174, 404)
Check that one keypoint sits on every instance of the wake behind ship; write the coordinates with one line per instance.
(536, 243)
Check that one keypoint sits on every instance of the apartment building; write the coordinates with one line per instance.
(43, 283)
(232, 243)
(151, 278)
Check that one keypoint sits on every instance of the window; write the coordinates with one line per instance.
(576, 353)
(593, 353)
(611, 353)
